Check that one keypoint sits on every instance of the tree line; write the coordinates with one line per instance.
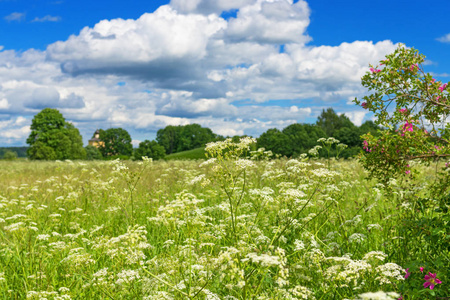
(53, 138)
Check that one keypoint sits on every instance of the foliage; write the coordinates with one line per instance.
(10, 155)
(413, 107)
(331, 122)
(52, 137)
(21, 151)
(150, 149)
(93, 153)
(369, 127)
(181, 138)
(421, 107)
(115, 141)
(292, 141)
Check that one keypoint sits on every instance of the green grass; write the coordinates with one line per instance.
(198, 153)
(281, 229)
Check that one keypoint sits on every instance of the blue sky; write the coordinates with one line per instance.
(236, 66)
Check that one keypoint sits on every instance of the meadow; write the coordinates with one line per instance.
(234, 226)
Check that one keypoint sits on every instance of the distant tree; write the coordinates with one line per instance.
(302, 137)
(10, 155)
(52, 137)
(369, 126)
(168, 138)
(116, 141)
(92, 153)
(21, 151)
(274, 140)
(150, 149)
(330, 121)
(181, 138)
(348, 136)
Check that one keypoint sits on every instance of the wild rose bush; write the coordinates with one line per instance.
(413, 107)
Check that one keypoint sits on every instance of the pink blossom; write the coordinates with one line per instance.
(407, 172)
(407, 270)
(364, 105)
(408, 127)
(403, 110)
(421, 269)
(431, 280)
(374, 70)
(433, 80)
(442, 88)
(413, 67)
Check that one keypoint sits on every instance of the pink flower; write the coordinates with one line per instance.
(364, 105)
(403, 110)
(407, 172)
(433, 80)
(407, 270)
(401, 298)
(421, 269)
(442, 88)
(413, 67)
(408, 127)
(431, 280)
(374, 70)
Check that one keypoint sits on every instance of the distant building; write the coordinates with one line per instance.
(95, 141)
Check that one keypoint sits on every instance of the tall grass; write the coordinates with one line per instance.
(215, 229)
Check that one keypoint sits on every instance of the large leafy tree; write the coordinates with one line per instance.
(302, 137)
(275, 141)
(150, 149)
(116, 141)
(52, 137)
(292, 140)
(330, 121)
(187, 137)
(92, 153)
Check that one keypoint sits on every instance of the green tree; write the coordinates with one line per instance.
(330, 121)
(369, 127)
(349, 136)
(92, 153)
(150, 149)
(302, 137)
(168, 137)
(52, 137)
(116, 141)
(10, 155)
(181, 138)
(275, 141)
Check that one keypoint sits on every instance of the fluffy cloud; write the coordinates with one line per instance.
(278, 22)
(4, 104)
(208, 6)
(15, 130)
(184, 64)
(444, 39)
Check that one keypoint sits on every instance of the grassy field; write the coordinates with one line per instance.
(216, 229)
(198, 153)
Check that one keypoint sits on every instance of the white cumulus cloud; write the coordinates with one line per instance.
(445, 38)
